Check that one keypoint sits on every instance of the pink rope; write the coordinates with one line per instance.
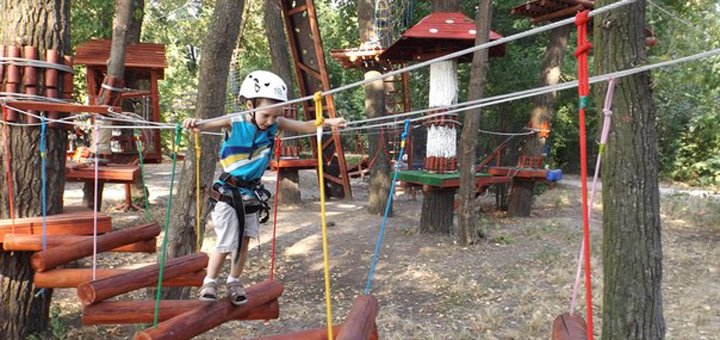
(607, 113)
(95, 205)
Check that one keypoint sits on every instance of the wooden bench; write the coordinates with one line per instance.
(107, 174)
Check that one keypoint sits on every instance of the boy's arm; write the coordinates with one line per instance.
(308, 126)
(195, 125)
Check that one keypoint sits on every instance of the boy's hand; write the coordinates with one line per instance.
(191, 124)
(339, 123)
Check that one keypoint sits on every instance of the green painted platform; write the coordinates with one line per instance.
(436, 180)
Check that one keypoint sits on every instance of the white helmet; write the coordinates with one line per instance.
(263, 84)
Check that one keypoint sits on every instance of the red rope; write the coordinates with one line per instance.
(581, 21)
(275, 205)
(8, 158)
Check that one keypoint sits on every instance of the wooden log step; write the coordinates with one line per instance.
(72, 278)
(20, 242)
(55, 256)
(128, 312)
(101, 289)
(207, 317)
(569, 327)
(70, 223)
(307, 334)
(360, 322)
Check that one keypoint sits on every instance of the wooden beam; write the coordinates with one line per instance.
(207, 317)
(74, 277)
(101, 289)
(360, 322)
(55, 256)
(21, 242)
(60, 107)
(570, 11)
(71, 223)
(127, 312)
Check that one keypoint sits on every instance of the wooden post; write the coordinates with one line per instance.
(207, 317)
(21, 242)
(569, 327)
(13, 78)
(53, 257)
(72, 278)
(30, 78)
(125, 312)
(101, 289)
(51, 81)
(68, 86)
(360, 322)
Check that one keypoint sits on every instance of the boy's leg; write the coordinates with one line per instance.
(225, 224)
(237, 267)
(215, 264)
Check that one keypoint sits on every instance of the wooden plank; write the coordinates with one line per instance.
(536, 174)
(74, 277)
(20, 242)
(55, 256)
(112, 174)
(60, 107)
(427, 178)
(101, 289)
(360, 322)
(207, 317)
(73, 223)
(294, 163)
(129, 312)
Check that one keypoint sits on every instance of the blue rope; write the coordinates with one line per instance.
(44, 182)
(376, 255)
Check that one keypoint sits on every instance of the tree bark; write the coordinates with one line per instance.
(380, 180)
(469, 232)
(520, 199)
(45, 25)
(289, 192)
(632, 250)
(214, 69)
(439, 205)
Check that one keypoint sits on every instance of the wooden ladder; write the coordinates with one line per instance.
(311, 73)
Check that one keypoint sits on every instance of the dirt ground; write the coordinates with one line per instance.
(509, 286)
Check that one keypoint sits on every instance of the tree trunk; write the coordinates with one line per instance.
(520, 200)
(45, 25)
(440, 203)
(289, 192)
(114, 78)
(632, 250)
(380, 180)
(214, 68)
(467, 215)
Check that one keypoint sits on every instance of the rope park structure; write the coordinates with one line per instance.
(76, 234)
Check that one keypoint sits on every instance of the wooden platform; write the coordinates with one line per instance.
(447, 181)
(73, 222)
(108, 174)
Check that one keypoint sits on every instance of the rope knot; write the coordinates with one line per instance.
(582, 18)
(583, 49)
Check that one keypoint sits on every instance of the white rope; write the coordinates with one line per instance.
(35, 63)
(453, 55)
(538, 91)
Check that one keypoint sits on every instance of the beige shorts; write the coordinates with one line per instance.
(226, 225)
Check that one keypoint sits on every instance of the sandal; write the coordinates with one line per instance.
(237, 293)
(208, 292)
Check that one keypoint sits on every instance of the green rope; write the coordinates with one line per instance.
(139, 144)
(176, 143)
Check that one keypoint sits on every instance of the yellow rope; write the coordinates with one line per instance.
(319, 124)
(197, 192)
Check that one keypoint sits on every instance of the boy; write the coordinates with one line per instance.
(238, 196)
